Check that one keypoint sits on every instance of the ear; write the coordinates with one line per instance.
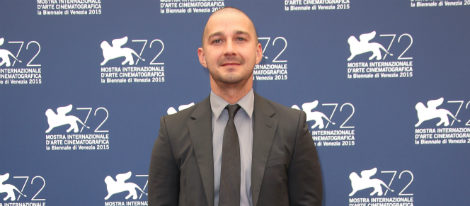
(202, 57)
(259, 53)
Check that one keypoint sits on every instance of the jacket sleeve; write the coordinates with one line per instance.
(164, 174)
(304, 173)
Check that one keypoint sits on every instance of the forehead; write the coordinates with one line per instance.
(228, 21)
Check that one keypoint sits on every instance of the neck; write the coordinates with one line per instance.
(231, 93)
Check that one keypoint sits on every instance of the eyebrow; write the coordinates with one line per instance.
(221, 34)
(215, 34)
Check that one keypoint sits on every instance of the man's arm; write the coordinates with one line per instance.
(305, 180)
(164, 173)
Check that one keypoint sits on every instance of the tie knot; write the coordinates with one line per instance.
(232, 110)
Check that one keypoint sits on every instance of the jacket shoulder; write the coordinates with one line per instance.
(177, 120)
(174, 121)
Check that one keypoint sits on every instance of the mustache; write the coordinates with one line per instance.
(231, 60)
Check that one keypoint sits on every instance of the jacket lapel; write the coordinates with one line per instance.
(200, 131)
(264, 126)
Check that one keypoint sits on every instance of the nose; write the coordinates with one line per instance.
(229, 48)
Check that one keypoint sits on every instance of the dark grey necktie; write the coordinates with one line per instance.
(229, 193)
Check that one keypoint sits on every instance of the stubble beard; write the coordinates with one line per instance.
(227, 79)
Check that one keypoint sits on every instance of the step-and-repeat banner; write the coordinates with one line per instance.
(384, 84)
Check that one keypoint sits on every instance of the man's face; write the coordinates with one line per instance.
(230, 48)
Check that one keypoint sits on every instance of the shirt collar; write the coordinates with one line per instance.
(218, 104)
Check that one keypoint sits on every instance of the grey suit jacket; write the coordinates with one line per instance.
(285, 166)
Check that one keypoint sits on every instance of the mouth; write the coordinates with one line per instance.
(230, 64)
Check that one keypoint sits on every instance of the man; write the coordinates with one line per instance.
(274, 161)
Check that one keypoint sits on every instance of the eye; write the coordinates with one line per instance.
(216, 41)
(240, 39)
